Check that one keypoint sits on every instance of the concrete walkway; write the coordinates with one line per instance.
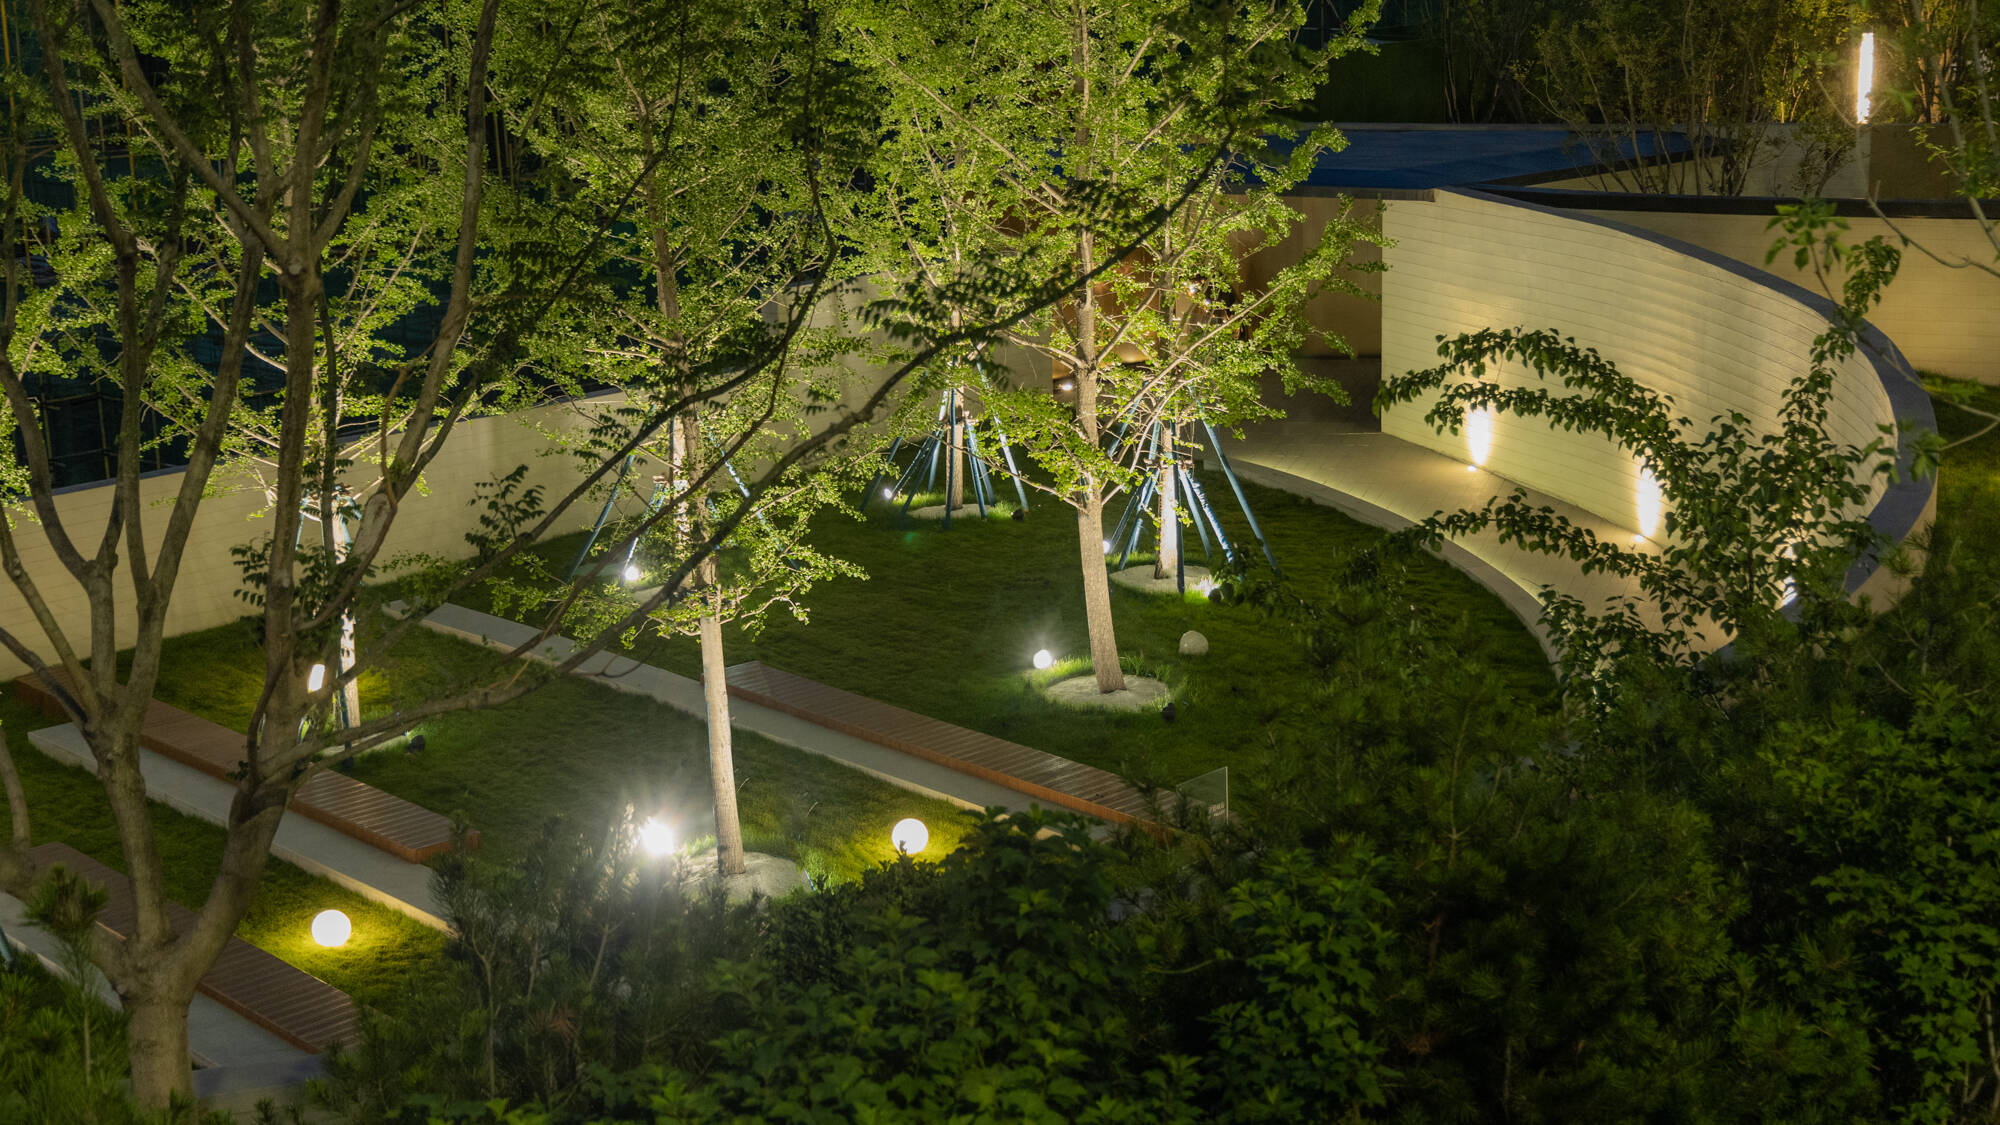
(1390, 483)
(307, 844)
(233, 1053)
(684, 694)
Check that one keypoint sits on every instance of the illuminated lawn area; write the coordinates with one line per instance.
(948, 622)
(68, 805)
(576, 750)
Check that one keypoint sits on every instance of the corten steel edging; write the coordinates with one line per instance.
(302, 1009)
(387, 809)
(880, 737)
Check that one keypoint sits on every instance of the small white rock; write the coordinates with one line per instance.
(1193, 644)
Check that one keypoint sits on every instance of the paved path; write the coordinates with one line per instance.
(1388, 482)
(308, 844)
(219, 1039)
(684, 694)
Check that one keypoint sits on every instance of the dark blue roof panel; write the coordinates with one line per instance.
(1417, 158)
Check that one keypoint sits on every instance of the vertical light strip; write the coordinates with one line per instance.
(1864, 79)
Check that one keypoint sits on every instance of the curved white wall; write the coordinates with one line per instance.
(1717, 336)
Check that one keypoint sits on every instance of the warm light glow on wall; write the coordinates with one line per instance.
(1864, 79)
(1478, 435)
(1649, 503)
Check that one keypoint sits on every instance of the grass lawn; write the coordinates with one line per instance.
(66, 804)
(948, 622)
(1969, 480)
(578, 750)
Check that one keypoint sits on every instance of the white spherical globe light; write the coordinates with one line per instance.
(655, 838)
(631, 572)
(331, 928)
(910, 836)
(1044, 659)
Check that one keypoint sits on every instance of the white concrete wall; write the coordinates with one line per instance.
(1716, 340)
(433, 521)
(1944, 319)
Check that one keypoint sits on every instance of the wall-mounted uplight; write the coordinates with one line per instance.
(655, 838)
(331, 928)
(1478, 435)
(910, 836)
(1044, 659)
(316, 679)
(1648, 504)
(1864, 79)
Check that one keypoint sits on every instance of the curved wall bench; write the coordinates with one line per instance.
(1715, 334)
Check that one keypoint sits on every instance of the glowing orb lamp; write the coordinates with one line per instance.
(655, 838)
(910, 836)
(331, 928)
(1044, 659)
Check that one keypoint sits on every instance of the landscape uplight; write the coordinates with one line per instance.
(1044, 659)
(331, 928)
(1648, 502)
(888, 494)
(910, 836)
(655, 838)
(1864, 79)
(316, 679)
(1478, 435)
(632, 572)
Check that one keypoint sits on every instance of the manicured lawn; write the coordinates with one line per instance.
(1969, 480)
(948, 622)
(576, 750)
(66, 804)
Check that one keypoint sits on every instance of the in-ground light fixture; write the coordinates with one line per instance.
(1478, 435)
(1864, 79)
(655, 838)
(331, 928)
(910, 836)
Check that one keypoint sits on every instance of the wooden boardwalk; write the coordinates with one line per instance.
(1058, 781)
(293, 1005)
(383, 820)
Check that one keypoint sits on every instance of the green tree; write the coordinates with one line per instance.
(1027, 137)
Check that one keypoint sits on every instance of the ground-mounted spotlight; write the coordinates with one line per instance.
(1044, 659)
(1478, 436)
(655, 838)
(910, 836)
(331, 928)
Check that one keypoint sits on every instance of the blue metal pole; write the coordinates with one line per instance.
(602, 514)
(1222, 460)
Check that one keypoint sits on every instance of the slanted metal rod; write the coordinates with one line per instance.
(1222, 460)
(888, 459)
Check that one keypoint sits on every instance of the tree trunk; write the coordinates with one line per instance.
(157, 1043)
(1168, 564)
(1097, 594)
(721, 758)
(956, 497)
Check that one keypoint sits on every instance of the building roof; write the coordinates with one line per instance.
(1398, 158)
